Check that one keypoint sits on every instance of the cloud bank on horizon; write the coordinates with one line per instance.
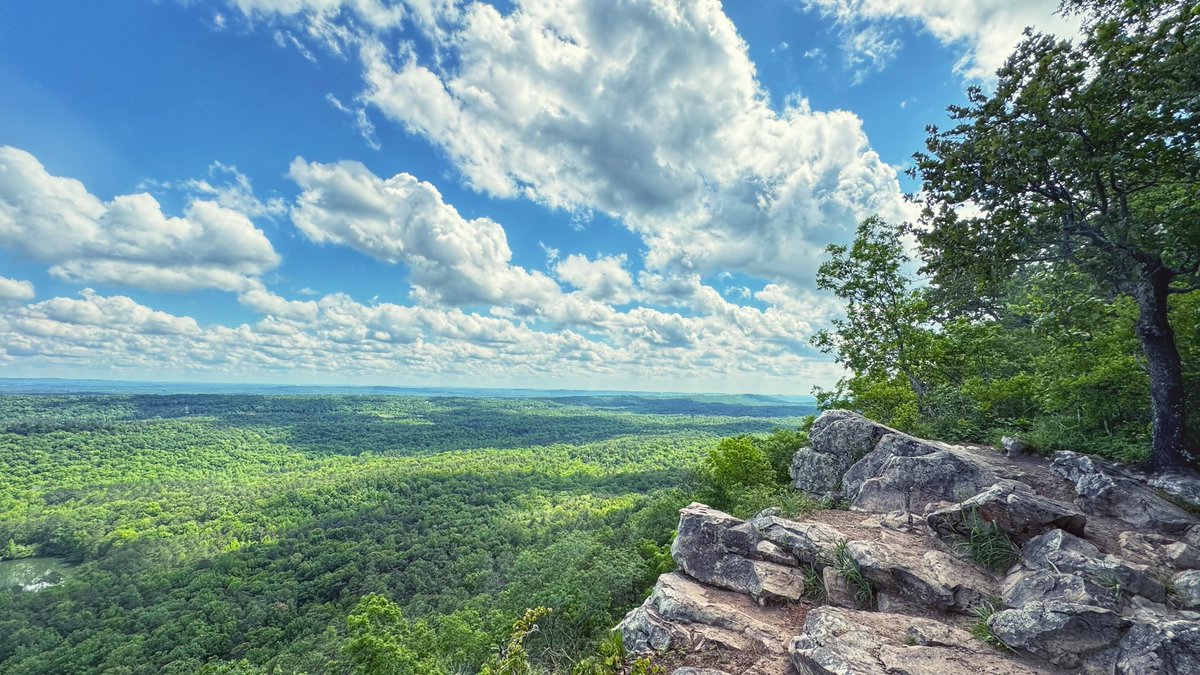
(573, 193)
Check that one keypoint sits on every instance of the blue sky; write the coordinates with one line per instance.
(586, 193)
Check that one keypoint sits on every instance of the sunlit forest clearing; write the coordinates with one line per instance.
(236, 533)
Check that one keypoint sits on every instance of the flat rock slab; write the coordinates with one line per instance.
(840, 641)
(924, 577)
(1065, 634)
(1063, 552)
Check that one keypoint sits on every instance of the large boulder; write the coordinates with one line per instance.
(1024, 586)
(839, 641)
(727, 552)
(1014, 508)
(1064, 634)
(1063, 552)
(908, 474)
(837, 439)
(683, 614)
(1162, 648)
(1106, 489)
(928, 578)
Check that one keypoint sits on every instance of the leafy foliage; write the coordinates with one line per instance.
(253, 534)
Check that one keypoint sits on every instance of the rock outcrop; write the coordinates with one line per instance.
(838, 641)
(1105, 582)
(1013, 507)
(1108, 490)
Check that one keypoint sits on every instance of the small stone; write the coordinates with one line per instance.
(1014, 447)
(837, 590)
(1185, 589)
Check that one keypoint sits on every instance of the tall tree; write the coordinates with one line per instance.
(1087, 152)
(884, 332)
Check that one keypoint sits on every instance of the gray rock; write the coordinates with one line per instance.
(683, 614)
(1013, 507)
(1185, 589)
(1182, 556)
(1062, 633)
(929, 578)
(688, 670)
(837, 439)
(1192, 536)
(1145, 611)
(838, 591)
(839, 641)
(1063, 552)
(816, 473)
(1165, 648)
(905, 473)
(718, 549)
(1024, 586)
(1109, 490)
(1183, 488)
(1014, 447)
(810, 543)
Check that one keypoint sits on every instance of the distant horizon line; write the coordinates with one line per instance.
(547, 392)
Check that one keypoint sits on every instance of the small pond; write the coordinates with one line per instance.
(32, 574)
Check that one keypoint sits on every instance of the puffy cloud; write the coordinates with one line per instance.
(118, 313)
(604, 278)
(404, 220)
(649, 112)
(15, 289)
(986, 29)
(128, 240)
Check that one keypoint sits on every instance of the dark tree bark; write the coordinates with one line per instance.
(1167, 396)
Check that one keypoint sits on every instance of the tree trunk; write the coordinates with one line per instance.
(1167, 397)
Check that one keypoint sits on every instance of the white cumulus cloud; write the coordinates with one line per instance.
(987, 30)
(15, 289)
(128, 240)
(650, 112)
(403, 220)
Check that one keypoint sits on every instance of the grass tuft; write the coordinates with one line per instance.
(987, 544)
(847, 567)
(980, 628)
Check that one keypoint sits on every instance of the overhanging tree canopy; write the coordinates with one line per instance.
(1087, 153)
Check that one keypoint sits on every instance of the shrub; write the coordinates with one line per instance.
(987, 544)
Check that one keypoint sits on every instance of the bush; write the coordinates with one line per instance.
(791, 503)
(735, 466)
(987, 544)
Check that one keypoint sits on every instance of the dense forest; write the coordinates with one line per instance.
(221, 533)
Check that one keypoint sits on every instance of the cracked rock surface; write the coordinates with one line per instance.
(1105, 579)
